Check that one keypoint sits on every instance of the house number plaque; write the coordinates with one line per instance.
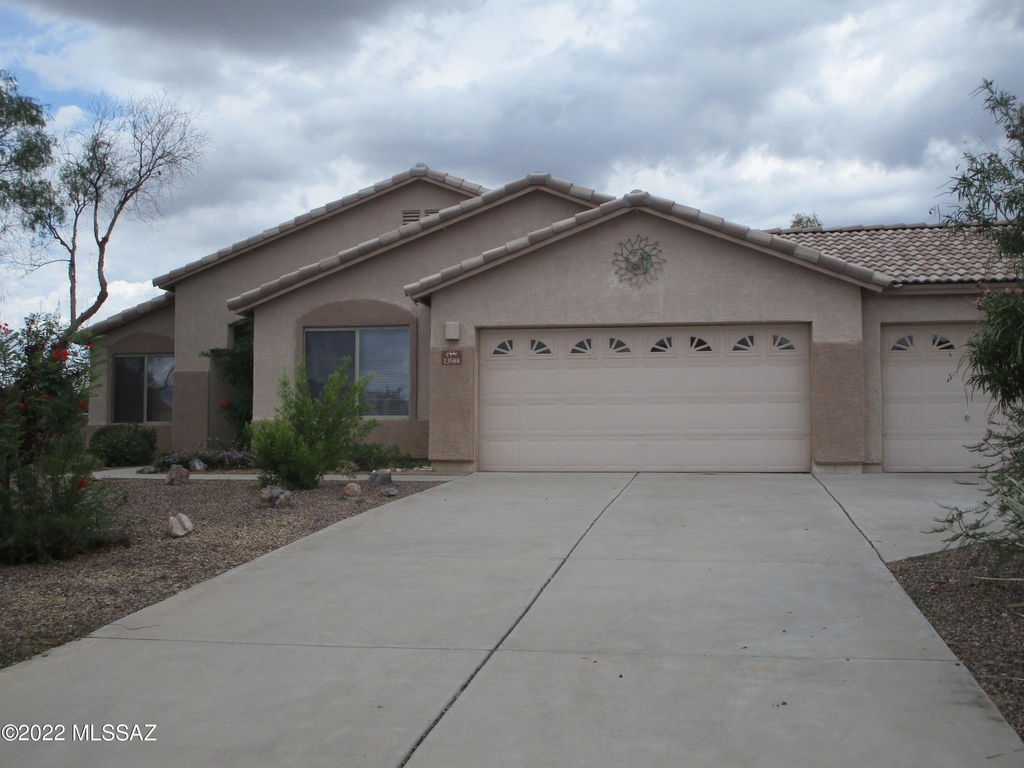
(451, 357)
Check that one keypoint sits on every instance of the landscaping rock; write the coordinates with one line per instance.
(146, 471)
(197, 465)
(389, 490)
(273, 496)
(177, 530)
(352, 490)
(379, 479)
(177, 475)
(185, 522)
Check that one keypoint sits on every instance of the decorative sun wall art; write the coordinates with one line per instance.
(638, 261)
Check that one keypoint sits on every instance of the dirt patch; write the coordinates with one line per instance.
(45, 605)
(975, 617)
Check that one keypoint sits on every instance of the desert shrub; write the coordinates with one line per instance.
(370, 456)
(309, 437)
(990, 195)
(214, 458)
(50, 507)
(123, 445)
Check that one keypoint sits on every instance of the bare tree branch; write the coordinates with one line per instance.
(126, 161)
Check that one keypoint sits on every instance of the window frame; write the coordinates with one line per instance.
(355, 353)
(145, 389)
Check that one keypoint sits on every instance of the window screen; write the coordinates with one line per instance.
(143, 388)
(129, 388)
(383, 352)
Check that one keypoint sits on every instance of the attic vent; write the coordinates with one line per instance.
(409, 217)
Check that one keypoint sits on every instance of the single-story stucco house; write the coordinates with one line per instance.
(546, 326)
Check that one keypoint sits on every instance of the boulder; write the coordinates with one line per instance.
(177, 530)
(389, 490)
(379, 479)
(352, 490)
(146, 471)
(185, 522)
(273, 496)
(177, 475)
(197, 465)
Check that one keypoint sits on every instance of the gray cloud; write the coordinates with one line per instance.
(256, 27)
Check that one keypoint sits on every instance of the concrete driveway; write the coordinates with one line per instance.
(541, 620)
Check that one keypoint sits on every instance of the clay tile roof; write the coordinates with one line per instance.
(909, 253)
(165, 281)
(638, 199)
(267, 290)
(120, 318)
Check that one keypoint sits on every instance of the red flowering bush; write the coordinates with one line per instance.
(48, 507)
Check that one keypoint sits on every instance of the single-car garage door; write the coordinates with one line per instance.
(928, 415)
(653, 399)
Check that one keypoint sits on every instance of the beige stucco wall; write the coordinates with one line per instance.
(705, 280)
(150, 334)
(202, 318)
(371, 293)
(900, 306)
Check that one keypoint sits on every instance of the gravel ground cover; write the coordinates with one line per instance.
(958, 591)
(46, 605)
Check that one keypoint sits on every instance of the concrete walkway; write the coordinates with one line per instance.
(533, 620)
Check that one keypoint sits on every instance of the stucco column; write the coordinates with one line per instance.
(453, 401)
(837, 405)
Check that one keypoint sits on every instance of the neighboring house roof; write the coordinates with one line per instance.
(910, 253)
(356, 253)
(785, 248)
(311, 217)
(103, 326)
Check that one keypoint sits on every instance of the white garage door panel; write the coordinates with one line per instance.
(655, 399)
(925, 402)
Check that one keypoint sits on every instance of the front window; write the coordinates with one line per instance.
(383, 352)
(143, 388)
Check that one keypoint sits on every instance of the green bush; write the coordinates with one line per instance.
(309, 437)
(50, 507)
(123, 445)
(370, 456)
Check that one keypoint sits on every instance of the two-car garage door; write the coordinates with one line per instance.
(653, 399)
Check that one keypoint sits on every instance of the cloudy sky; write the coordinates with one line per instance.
(751, 110)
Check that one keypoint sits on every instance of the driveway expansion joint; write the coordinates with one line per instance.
(515, 624)
(848, 517)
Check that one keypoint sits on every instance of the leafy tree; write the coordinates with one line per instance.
(309, 437)
(25, 150)
(122, 161)
(990, 192)
(804, 220)
(50, 506)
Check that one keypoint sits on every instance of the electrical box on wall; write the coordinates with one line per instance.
(451, 331)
